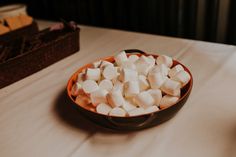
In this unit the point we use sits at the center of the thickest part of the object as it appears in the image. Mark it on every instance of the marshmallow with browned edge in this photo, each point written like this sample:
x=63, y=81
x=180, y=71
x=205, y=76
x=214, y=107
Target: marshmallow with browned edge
x=117, y=111
x=110, y=72
x=136, y=112
x=98, y=96
x=183, y=77
x=156, y=80
x=143, y=83
x=131, y=88
x=75, y=89
x=168, y=101
x=115, y=98
x=103, y=108
x=156, y=95
x=144, y=65
x=128, y=75
x=173, y=71
x=121, y=57
x=80, y=78
x=96, y=64
x=106, y=85
x=89, y=86
x=93, y=74
x=163, y=59
x=151, y=109
x=171, y=87
x=144, y=99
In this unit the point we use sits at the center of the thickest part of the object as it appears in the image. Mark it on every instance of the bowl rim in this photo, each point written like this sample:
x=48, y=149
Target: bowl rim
x=112, y=57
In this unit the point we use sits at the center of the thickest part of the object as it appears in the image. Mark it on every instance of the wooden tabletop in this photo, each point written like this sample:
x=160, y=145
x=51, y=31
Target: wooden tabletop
x=36, y=118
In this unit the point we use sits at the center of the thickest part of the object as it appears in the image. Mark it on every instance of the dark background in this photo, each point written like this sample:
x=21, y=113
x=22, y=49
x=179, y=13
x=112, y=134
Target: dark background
x=194, y=19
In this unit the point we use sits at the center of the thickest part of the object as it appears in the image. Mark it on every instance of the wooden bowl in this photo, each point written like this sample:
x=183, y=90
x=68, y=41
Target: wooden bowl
x=134, y=122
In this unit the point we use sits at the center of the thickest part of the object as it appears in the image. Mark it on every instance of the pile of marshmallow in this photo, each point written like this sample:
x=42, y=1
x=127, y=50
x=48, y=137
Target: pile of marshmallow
x=131, y=85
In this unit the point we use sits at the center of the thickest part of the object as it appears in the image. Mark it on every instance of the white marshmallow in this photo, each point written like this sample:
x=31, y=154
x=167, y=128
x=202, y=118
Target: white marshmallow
x=131, y=88
x=163, y=59
x=167, y=101
x=105, y=64
x=151, y=60
x=106, y=85
x=117, y=111
x=173, y=71
x=128, y=65
x=103, y=108
x=89, y=86
x=96, y=64
x=118, y=86
x=133, y=58
x=162, y=68
x=183, y=77
x=110, y=72
x=128, y=75
x=128, y=106
x=143, y=83
x=156, y=80
x=136, y=112
x=151, y=109
x=98, y=96
x=75, y=89
x=121, y=57
x=115, y=98
x=144, y=100
x=80, y=77
x=93, y=74
x=171, y=87
x=143, y=65
x=156, y=94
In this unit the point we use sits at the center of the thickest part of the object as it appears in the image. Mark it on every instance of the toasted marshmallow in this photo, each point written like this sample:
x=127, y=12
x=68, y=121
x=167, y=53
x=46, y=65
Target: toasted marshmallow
x=115, y=99
x=93, y=74
x=144, y=100
x=163, y=59
x=75, y=89
x=80, y=78
x=128, y=106
x=103, y=108
x=98, y=96
x=105, y=64
x=133, y=58
x=110, y=72
x=106, y=85
x=82, y=100
x=128, y=75
x=167, y=101
x=171, y=87
x=173, y=71
x=156, y=80
x=89, y=86
x=136, y=112
x=143, y=83
x=156, y=95
x=162, y=68
x=131, y=88
x=128, y=65
x=121, y=57
x=144, y=65
x=118, y=86
x=151, y=109
x=117, y=111
x=183, y=77
x=96, y=64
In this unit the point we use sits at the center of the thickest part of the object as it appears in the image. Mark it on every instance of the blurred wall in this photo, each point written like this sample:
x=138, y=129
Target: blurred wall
x=209, y=20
